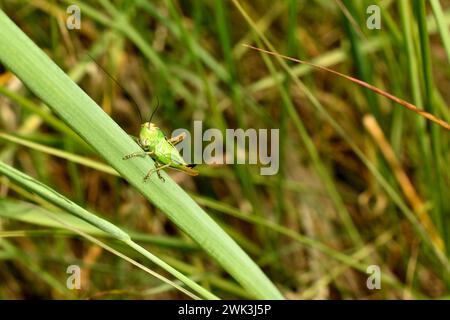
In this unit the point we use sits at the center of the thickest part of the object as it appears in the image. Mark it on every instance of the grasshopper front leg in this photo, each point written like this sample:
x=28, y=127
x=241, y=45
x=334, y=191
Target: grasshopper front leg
x=138, y=154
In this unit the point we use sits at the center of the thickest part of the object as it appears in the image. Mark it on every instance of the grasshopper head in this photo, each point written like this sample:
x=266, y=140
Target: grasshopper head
x=150, y=133
x=148, y=126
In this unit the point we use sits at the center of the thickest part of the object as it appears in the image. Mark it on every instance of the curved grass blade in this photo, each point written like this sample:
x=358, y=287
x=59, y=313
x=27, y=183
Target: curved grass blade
x=383, y=93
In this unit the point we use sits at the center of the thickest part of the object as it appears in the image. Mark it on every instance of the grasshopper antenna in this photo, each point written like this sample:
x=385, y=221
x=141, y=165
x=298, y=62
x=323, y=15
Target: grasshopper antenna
x=154, y=111
x=118, y=84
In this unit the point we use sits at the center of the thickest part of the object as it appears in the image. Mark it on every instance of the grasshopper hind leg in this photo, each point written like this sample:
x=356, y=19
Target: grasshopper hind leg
x=157, y=168
x=160, y=176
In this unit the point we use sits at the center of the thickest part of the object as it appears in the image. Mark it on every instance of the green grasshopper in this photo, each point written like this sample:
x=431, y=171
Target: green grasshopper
x=156, y=145
x=161, y=149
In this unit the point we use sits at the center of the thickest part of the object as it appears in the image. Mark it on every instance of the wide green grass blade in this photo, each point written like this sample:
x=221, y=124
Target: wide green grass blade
x=65, y=98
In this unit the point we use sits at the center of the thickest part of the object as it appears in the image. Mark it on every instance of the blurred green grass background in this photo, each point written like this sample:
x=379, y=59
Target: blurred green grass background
x=362, y=181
